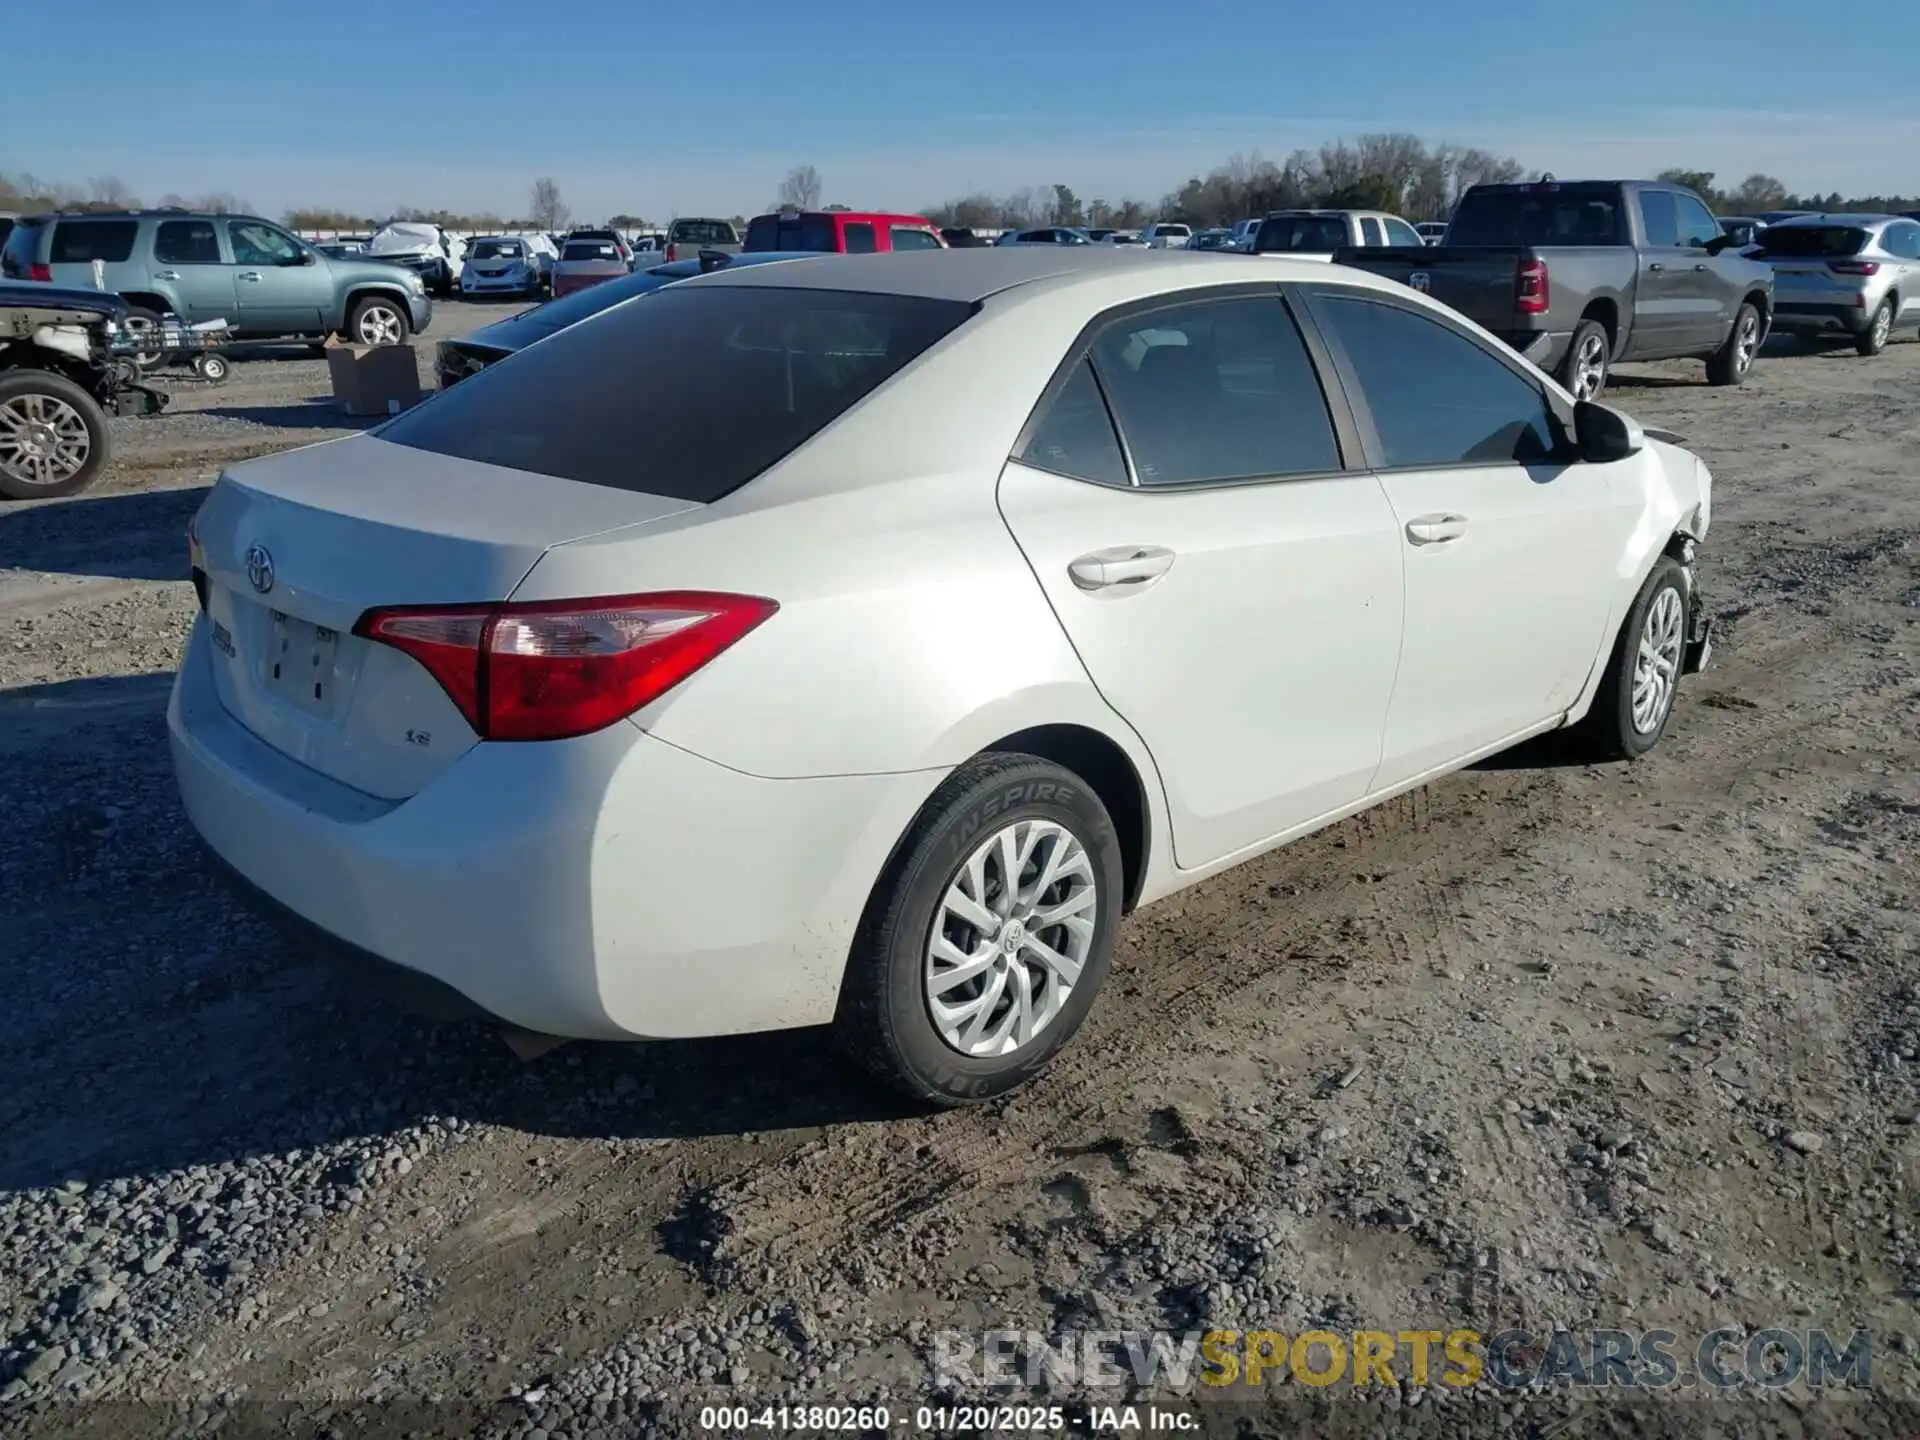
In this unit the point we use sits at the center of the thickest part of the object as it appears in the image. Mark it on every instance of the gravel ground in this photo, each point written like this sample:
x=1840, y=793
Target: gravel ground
x=1630, y=1046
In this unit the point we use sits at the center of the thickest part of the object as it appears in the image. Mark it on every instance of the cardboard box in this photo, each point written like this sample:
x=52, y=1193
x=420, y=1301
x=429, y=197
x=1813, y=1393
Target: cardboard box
x=374, y=379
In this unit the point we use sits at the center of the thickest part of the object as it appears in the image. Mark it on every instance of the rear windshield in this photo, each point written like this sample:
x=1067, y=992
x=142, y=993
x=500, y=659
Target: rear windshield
x=1313, y=233
x=1568, y=215
x=82, y=241
x=590, y=250
x=689, y=396
x=496, y=250
x=703, y=232
x=1813, y=242
x=770, y=232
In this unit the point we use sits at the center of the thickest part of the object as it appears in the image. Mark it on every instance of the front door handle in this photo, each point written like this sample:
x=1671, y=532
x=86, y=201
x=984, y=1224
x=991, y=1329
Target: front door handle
x=1122, y=567
x=166, y=274
x=1656, y=268
x=250, y=275
x=1700, y=267
x=1436, y=529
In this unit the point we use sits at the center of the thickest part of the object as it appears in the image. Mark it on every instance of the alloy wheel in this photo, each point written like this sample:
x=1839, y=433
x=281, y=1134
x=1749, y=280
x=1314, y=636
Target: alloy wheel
x=43, y=439
x=1656, y=665
x=1747, y=343
x=1589, y=367
x=1882, y=325
x=380, y=325
x=1010, y=937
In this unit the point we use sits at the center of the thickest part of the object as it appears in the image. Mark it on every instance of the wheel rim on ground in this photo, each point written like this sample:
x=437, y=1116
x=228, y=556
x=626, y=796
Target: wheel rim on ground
x=1656, y=665
x=1012, y=933
x=43, y=440
x=1589, y=367
x=380, y=325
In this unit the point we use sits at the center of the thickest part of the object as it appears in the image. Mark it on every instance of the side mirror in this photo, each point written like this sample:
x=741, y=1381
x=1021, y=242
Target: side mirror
x=1719, y=243
x=1604, y=434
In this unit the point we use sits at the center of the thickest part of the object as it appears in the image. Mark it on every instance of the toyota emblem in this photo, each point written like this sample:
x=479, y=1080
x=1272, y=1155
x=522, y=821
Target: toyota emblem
x=1420, y=280
x=259, y=568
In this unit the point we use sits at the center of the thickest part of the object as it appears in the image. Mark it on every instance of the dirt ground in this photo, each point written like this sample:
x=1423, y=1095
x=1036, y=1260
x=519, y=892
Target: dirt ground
x=1543, y=1045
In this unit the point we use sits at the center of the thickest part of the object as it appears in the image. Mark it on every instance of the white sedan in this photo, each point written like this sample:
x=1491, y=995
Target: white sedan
x=857, y=640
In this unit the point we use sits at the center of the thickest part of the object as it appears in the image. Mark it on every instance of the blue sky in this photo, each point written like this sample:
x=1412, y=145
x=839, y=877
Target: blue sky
x=676, y=107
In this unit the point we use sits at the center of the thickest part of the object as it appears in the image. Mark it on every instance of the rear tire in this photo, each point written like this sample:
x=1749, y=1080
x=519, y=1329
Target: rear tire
x=139, y=318
x=1879, y=331
x=915, y=934
x=53, y=436
x=1621, y=726
x=1584, y=370
x=1730, y=364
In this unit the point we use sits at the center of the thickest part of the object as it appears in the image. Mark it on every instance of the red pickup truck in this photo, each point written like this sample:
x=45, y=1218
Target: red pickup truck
x=841, y=232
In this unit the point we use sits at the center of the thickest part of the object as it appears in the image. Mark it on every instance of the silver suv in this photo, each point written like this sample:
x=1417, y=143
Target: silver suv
x=250, y=272
x=1854, y=277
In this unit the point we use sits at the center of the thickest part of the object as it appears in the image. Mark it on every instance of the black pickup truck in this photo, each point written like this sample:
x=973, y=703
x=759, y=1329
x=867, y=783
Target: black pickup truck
x=1579, y=275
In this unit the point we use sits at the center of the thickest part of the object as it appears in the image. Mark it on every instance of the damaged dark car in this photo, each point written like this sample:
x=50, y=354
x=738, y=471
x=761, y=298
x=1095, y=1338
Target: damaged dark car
x=63, y=370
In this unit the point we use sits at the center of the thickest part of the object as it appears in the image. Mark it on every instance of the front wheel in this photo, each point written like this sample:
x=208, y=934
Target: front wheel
x=1730, y=363
x=1873, y=339
x=53, y=436
x=377, y=320
x=986, y=939
x=1636, y=695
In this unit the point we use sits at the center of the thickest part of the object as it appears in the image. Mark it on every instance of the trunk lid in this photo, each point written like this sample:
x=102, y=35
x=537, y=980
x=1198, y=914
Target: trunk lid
x=298, y=546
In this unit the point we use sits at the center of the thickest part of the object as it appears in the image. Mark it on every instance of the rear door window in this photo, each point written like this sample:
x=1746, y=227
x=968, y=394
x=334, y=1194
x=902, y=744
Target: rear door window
x=860, y=239
x=1075, y=436
x=689, y=394
x=1660, y=219
x=186, y=242
x=906, y=237
x=1370, y=231
x=80, y=242
x=1400, y=233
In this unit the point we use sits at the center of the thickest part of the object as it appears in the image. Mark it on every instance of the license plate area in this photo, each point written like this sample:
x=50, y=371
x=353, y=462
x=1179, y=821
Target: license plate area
x=300, y=665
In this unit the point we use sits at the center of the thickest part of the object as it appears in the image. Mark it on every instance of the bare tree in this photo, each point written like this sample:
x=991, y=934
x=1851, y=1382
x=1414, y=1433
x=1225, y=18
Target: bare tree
x=110, y=192
x=548, y=210
x=800, y=190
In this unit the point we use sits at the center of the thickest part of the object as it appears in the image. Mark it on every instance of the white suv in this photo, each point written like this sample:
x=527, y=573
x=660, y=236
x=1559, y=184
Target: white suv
x=1169, y=236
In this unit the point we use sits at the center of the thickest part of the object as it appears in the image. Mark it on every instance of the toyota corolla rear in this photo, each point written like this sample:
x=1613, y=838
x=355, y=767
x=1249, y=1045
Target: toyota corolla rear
x=415, y=707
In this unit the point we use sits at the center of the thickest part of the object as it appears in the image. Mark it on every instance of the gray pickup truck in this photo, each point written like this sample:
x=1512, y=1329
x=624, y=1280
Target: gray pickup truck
x=1577, y=276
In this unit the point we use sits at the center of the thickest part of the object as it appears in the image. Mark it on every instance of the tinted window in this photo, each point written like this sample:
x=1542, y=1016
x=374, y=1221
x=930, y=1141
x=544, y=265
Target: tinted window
x=495, y=250
x=1902, y=240
x=186, y=242
x=590, y=250
x=1660, y=218
x=860, y=239
x=18, y=254
x=257, y=243
x=1370, y=231
x=1813, y=242
x=1562, y=215
x=770, y=232
x=1075, y=437
x=1400, y=233
x=84, y=241
x=703, y=232
x=1314, y=233
x=1437, y=398
x=905, y=238
x=1216, y=391
x=1697, y=225
x=690, y=395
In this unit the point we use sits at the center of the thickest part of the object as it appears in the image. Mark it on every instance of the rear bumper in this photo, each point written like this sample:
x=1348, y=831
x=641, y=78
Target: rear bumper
x=607, y=887
x=1802, y=317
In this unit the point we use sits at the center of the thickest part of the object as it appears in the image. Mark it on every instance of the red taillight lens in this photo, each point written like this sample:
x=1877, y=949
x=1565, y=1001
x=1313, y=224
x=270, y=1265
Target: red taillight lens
x=548, y=670
x=1531, y=295
x=673, y=252
x=40, y=272
x=1854, y=267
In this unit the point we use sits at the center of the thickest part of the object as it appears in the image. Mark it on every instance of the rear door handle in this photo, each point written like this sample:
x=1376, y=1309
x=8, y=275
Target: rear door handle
x=166, y=274
x=1436, y=529
x=1123, y=568
x=1655, y=268
x=250, y=275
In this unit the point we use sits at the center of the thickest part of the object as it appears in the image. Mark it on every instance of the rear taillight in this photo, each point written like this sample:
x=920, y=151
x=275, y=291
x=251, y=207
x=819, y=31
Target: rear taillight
x=1854, y=267
x=673, y=252
x=40, y=272
x=550, y=669
x=1530, y=297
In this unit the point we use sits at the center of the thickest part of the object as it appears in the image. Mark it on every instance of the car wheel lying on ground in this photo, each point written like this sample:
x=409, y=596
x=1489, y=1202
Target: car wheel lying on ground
x=986, y=598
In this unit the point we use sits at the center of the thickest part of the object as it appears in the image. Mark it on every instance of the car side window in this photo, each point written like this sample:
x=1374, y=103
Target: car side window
x=1660, y=219
x=186, y=242
x=1904, y=241
x=860, y=238
x=84, y=241
x=1436, y=397
x=1696, y=222
x=1370, y=231
x=906, y=237
x=1218, y=390
x=1075, y=436
x=257, y=243
x=1401, y=233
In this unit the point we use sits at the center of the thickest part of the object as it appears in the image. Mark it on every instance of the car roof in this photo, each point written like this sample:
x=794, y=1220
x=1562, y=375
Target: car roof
x=846, y=215
x=1814, y=222
x=973, y=275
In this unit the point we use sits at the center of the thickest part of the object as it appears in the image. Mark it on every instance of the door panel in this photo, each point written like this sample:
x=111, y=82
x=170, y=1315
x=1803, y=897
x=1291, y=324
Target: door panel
x=1659, y=294
x=188, y=261
x=1258, y=665
x=1705, y=296
x=273, y=297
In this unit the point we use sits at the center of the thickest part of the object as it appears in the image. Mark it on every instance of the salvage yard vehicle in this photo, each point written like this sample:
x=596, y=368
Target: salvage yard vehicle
x=841, y=232
x=250, y=272
x=863, y=577
x=424, y=249
x=1317, y=234
x=507, y=265
x=692, y=234
x=1167, y=235
x=1849, y=277
x=456, y=359
x=59, y=381
x=1580, y=275
x=584, y=263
